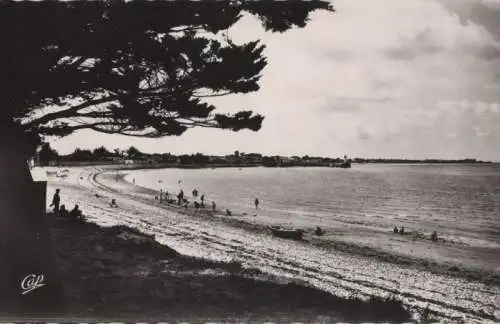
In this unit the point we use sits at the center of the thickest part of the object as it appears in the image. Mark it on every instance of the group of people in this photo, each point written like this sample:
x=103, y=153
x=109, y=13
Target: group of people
x=434, y=236
x=400, y=231
x=61, y=211
x=182, y=201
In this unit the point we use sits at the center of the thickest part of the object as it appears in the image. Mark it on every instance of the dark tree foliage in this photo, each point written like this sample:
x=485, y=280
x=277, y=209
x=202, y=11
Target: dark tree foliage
x=101, y=153
x=132, y=152
x=47, y=154
x=81, y=155
x=135, y=68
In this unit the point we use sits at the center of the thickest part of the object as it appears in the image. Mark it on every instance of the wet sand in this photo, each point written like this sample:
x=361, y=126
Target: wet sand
x=339, y=267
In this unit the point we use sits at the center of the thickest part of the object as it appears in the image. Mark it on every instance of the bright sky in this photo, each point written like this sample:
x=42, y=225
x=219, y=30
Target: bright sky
x=402, y=79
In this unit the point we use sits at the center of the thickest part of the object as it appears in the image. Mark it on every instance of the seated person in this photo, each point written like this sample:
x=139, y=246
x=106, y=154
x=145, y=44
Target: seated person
x=319, y=231
x=63, y=212
x=228, y=212
x=113, y=203
x=75, y=213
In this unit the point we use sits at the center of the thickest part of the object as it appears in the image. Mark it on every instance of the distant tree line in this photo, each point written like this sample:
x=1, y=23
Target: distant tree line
x=428, y=161
x=48, y=155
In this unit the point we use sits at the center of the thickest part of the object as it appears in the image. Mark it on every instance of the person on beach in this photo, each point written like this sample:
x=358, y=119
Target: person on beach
x=202, y=199
x=56, y=199
x=63, y=212
x=113, y=203
x=256, y=203
x=166, y=195
x=133, y=181
x=196, y=205
x=180, y=197
x=75, y=213
x=213, y=206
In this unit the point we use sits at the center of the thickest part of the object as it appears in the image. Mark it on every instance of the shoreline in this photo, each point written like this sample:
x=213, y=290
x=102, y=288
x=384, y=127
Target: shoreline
x=345, y=273
x=456, y=269
x=166, y=165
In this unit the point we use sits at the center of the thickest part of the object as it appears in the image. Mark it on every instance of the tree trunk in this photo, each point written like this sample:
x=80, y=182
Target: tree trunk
x=25, y=246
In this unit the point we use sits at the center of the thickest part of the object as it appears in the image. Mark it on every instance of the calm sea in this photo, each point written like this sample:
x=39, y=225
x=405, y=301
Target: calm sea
x=460, y=201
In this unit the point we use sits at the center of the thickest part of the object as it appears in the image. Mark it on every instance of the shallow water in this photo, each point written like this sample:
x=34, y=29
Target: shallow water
x=461, y=202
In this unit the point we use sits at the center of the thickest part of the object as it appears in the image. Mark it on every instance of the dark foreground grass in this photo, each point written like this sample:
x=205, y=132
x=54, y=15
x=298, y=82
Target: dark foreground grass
x=120, y=273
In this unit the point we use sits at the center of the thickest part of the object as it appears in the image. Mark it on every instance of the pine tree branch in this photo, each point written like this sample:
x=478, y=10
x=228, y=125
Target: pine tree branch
x=212, y=95
x=70, y=112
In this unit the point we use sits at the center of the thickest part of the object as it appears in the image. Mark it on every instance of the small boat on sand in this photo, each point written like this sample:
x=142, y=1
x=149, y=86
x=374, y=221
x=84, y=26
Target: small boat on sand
x=295, y=234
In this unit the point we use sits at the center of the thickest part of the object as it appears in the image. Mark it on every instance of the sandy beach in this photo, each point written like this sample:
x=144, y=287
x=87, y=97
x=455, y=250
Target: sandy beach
x=452, y=289
x=117, y=273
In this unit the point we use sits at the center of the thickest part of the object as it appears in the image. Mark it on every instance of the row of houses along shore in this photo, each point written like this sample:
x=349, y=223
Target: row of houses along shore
x=198, y=159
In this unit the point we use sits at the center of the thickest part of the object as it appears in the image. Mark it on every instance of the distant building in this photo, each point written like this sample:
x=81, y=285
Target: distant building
x=313, y=161
x=253, y=158
x=285, y=160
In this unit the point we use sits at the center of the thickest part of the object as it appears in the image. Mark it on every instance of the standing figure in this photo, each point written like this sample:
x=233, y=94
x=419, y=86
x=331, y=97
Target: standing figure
x=256, y=203
x=180, y=197
x=56, y=199
x=213, y=206
x=202, y=199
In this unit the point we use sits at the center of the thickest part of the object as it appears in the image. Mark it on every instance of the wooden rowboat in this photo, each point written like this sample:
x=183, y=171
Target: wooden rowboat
x=295, y=234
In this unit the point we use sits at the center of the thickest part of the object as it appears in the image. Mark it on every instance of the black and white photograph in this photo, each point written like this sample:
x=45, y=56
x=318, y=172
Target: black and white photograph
x=250, y=161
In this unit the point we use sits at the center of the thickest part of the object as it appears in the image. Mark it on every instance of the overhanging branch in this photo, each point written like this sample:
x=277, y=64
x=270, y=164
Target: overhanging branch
x=68, y=112
x=212, y=95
